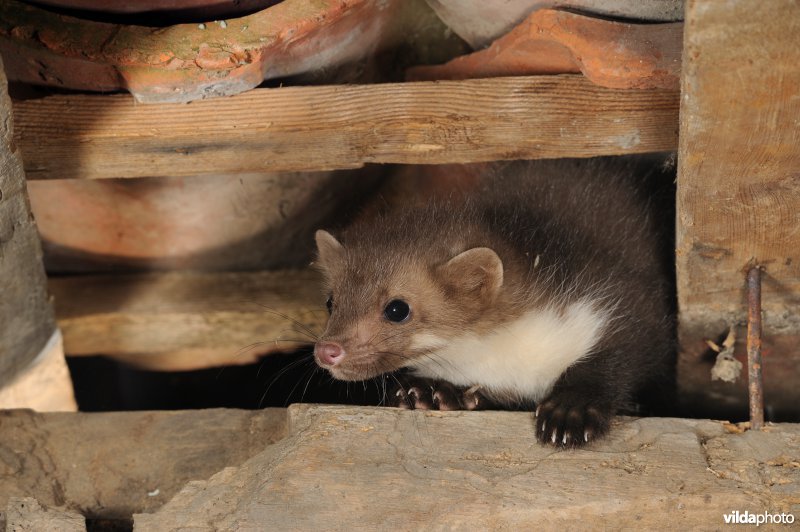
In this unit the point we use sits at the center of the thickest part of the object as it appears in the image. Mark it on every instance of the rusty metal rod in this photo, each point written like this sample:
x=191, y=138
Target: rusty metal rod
x=755, y=384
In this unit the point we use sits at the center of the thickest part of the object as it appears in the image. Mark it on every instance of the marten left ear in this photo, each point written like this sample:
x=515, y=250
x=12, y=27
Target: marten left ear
x=477, y=270
x=330, y=251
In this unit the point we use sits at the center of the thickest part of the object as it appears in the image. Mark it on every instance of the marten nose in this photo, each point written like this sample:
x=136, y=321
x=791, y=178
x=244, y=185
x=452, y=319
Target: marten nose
x=329, y=353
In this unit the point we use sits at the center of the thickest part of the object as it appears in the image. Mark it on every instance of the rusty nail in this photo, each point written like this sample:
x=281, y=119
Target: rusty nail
x=755, y=384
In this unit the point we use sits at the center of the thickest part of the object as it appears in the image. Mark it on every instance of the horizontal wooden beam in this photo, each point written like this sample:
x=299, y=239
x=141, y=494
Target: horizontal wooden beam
x=177, y=321
x=278, y=469
x=387, y=468
x=109, y=465
x=334, y=127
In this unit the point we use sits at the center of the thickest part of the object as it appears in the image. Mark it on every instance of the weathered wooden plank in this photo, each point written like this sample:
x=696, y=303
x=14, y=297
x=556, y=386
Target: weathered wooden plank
x=389, y=469
x=739, y=180
x=194, y=319
x=26, y=317
x=25, y=513
x=330, y=127
x=403, y=469
x=112, y=464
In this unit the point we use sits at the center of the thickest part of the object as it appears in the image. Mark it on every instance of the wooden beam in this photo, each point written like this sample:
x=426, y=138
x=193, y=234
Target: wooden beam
x=739, y=189
x=334, y=127
x=354, y=468
x=181, y=320
x=26, y=316
x=279, y=469
x=109, y=465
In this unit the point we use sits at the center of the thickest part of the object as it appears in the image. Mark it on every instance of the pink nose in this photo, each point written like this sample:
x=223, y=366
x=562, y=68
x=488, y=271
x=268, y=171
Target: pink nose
x=329, y=353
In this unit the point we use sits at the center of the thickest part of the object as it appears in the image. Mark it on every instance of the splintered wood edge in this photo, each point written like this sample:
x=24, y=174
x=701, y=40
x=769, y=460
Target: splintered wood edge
x=182, y=320
x=344, y=126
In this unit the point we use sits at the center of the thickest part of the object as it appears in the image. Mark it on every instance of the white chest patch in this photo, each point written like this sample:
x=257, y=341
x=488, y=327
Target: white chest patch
x=524, y=357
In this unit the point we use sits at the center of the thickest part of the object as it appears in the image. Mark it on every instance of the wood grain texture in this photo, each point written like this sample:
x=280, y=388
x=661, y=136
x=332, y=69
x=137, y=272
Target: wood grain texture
x=331, y=127
x=194, y=319
x=346, y=468
x=739, y=171
x=25, y=513
x=739, y=183
x=26, y=317
x=112, y=464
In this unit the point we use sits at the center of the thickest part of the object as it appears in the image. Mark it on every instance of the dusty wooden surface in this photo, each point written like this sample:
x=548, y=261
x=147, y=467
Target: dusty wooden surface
x=329, y=127
x=345, y=468
x=336, y=467
x=26, y=514
x=112, y=464
x=195, y=319
x=739, y=187
x=26, y=317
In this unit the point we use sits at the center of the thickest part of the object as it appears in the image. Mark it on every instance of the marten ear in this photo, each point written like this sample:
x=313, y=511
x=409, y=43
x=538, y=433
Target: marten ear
x=477, y=270
x=329, y=250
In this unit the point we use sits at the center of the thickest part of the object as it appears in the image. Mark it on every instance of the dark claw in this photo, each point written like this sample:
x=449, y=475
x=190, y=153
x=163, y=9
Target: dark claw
x=446, y=399
x=473, y=400
x=401, y=399
x=570, y=420
x=421, y=397
x=423, y=394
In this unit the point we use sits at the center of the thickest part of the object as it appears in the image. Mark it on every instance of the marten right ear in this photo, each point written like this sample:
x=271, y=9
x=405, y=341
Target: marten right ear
x=478, y=271
x=329, y=250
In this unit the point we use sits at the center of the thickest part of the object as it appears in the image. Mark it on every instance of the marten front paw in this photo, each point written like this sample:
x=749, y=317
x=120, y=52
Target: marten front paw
x=422, y=394
x=570, y=420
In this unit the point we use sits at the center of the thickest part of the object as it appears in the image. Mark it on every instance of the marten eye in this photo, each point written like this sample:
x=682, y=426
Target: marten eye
x=397, y=311
x=329, y=304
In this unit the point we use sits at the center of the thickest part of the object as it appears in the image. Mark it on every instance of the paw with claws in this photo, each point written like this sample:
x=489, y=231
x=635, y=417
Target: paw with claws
x=571, y=420
x=423, y=394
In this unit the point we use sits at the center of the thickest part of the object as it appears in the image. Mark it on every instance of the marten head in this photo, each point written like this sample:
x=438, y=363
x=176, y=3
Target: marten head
x=390, y=304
